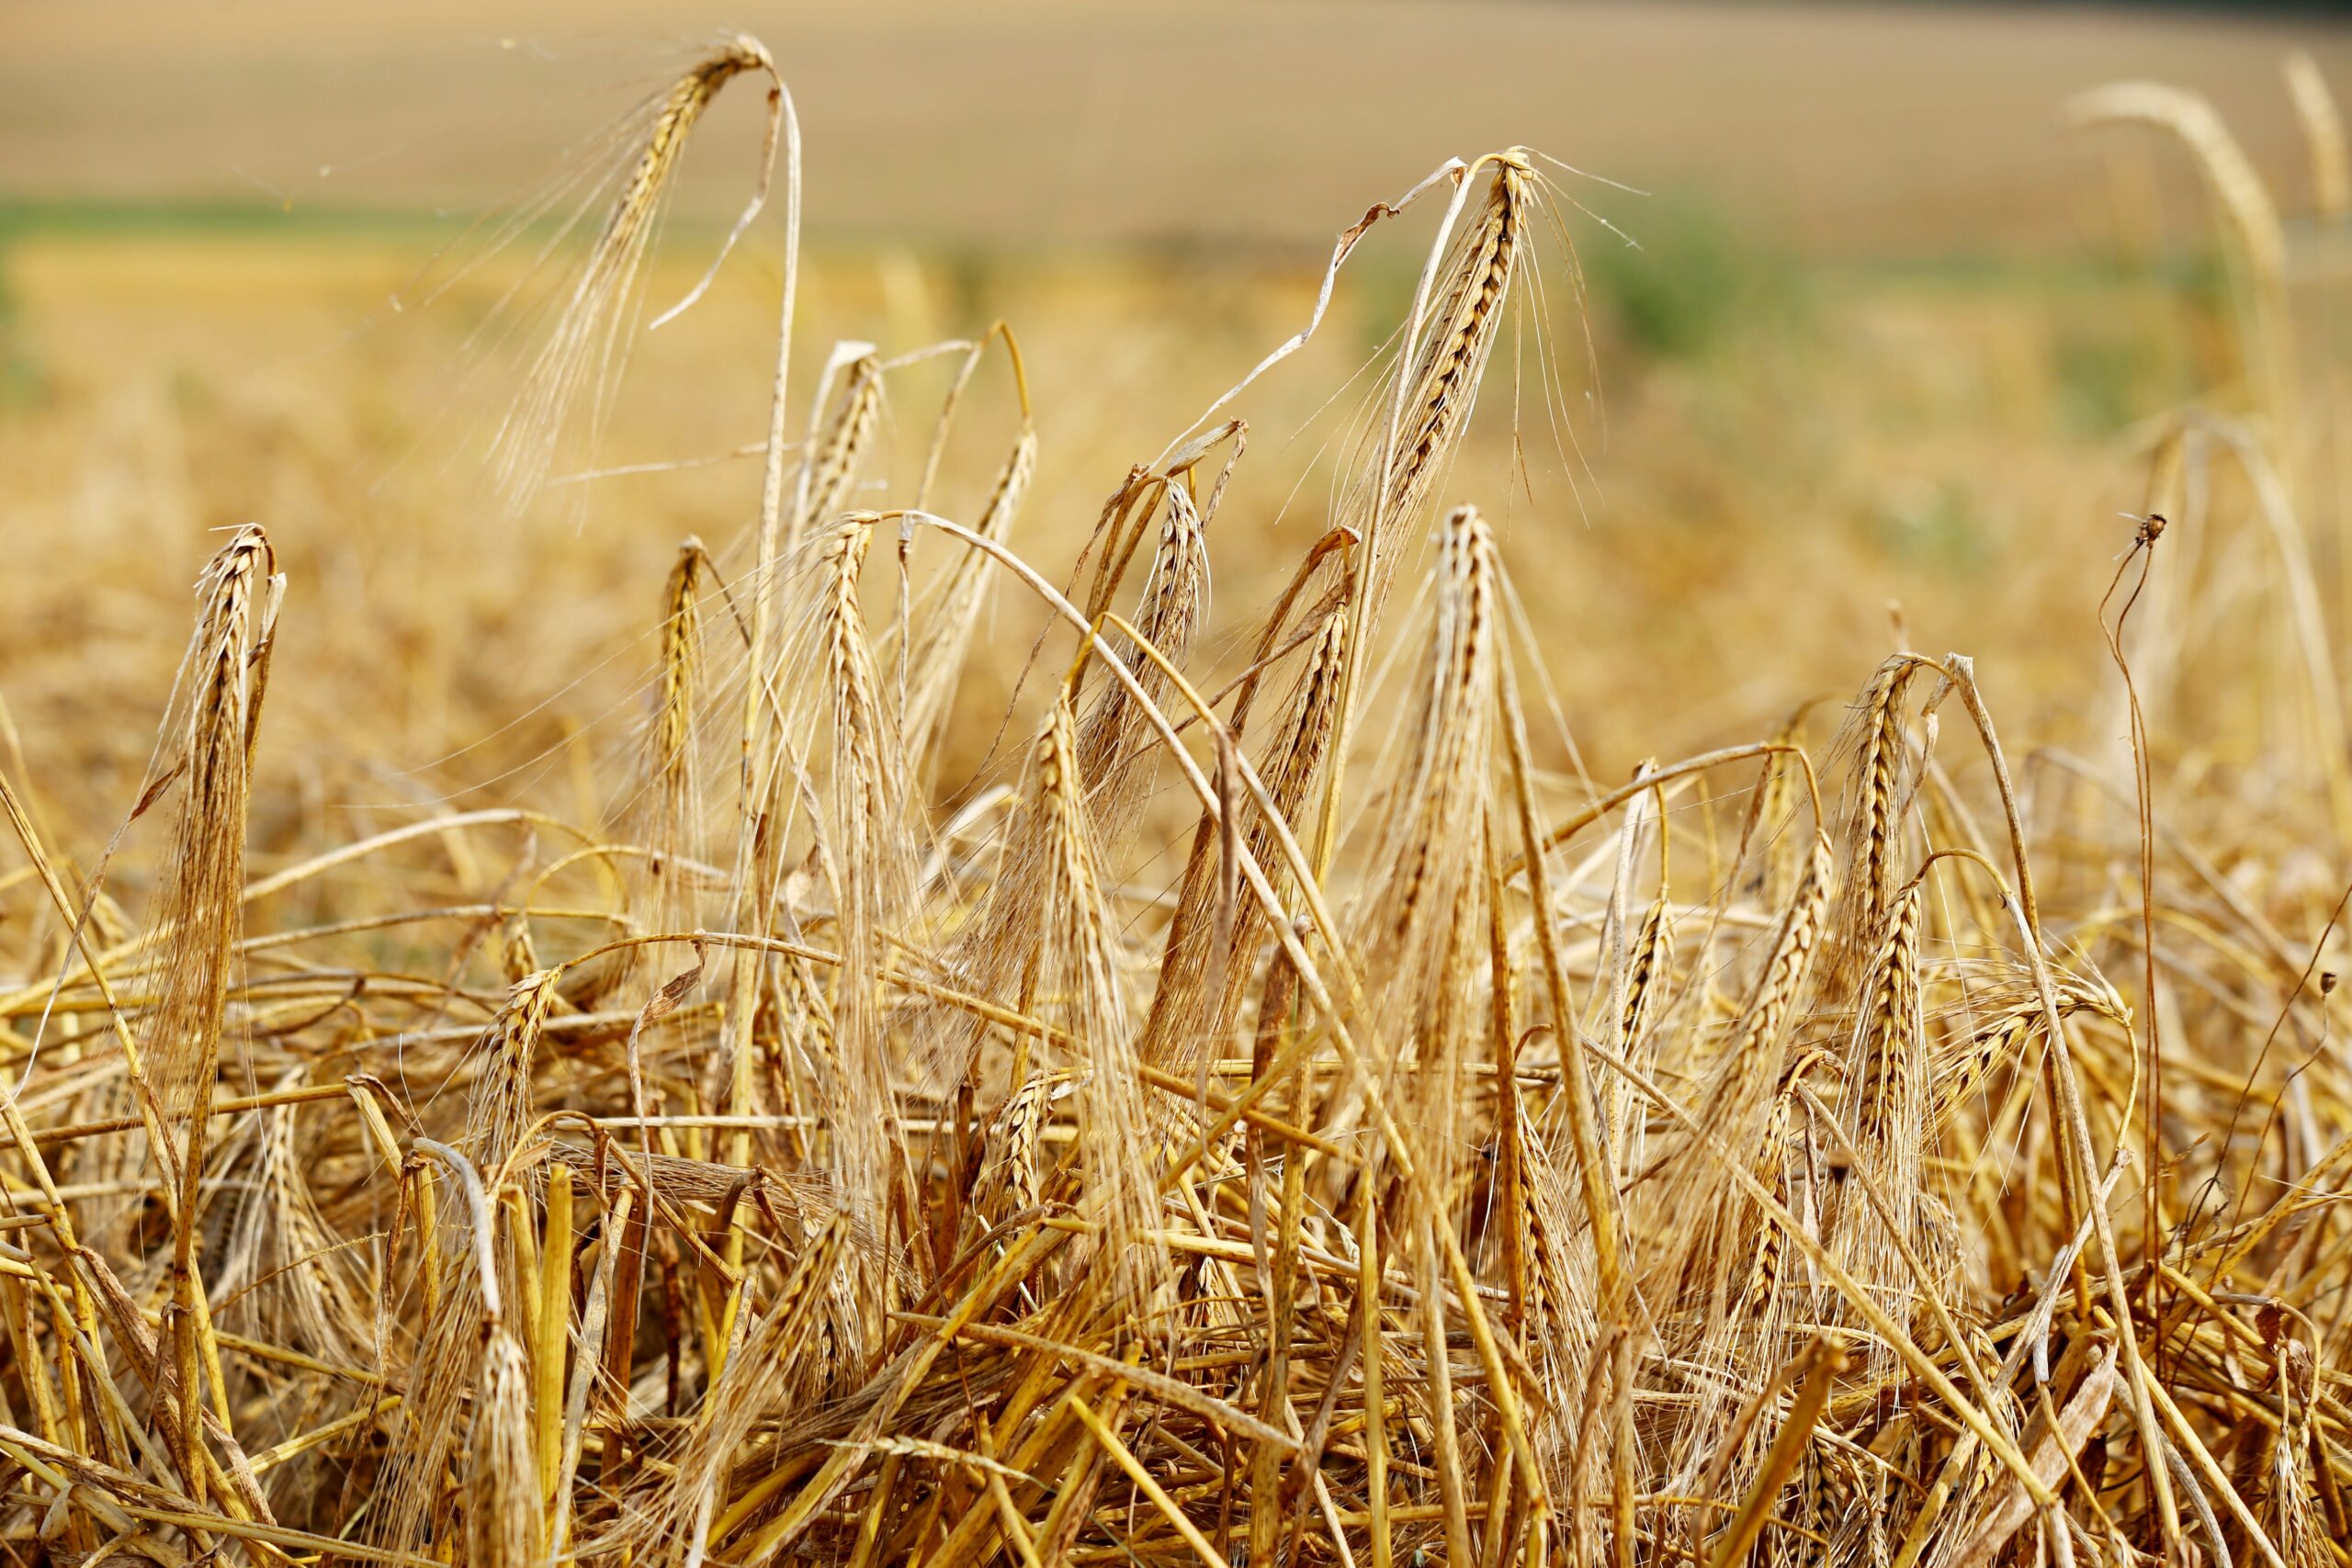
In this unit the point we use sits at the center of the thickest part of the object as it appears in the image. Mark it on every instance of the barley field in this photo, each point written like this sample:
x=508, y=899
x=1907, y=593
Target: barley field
x=1106, y=787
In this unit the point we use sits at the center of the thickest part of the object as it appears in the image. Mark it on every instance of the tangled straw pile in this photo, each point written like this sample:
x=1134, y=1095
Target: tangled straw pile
x=1445, y=1164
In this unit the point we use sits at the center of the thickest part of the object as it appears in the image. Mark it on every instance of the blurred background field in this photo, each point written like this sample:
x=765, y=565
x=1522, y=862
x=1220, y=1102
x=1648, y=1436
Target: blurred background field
x=1885, y=348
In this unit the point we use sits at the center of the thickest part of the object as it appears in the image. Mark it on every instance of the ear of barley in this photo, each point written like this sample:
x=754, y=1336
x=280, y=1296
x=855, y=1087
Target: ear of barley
x=1885, y=1115
x=2000, y=1033
x=2323, y=142
x=1420, y=895
x=1045, y=943
x=1009, y=1182
x=500, y=1106
x=838, y=451
x=1077, y=965
x=518, y=956
x=1461, y=335
x=1761, y=1291
x=451, y=1351
x=216, y=712
x=952, y=614
x=1649, y=965
x=1186, y=1017
x=1872, y=829
x=680, y=694
x=211, y=742
x=2253, y=218
x=1764, y=833
x=865, y=835
x=2298, y=1522
x=455, y=1352
x=1289, y=768
x=684, y=1512
x=2249, y=217
x=587, y=342
x=1562, y=1327
x=1409, y=903
x=1736, y=1097
x=1884, y=1075
x=504, y=1528
x=1116, y=742
x=1790, y=961
x=287, y=1279
x=1437, y=384
x=667, y=817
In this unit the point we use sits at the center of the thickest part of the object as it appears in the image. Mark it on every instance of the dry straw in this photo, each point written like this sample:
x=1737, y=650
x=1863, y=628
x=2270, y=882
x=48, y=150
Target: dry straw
x=1277, y=1120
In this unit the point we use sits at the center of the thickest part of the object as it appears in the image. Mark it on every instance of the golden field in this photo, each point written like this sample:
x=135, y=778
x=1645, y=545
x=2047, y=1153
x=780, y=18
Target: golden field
x=1053, y=976
x=1905, y=363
